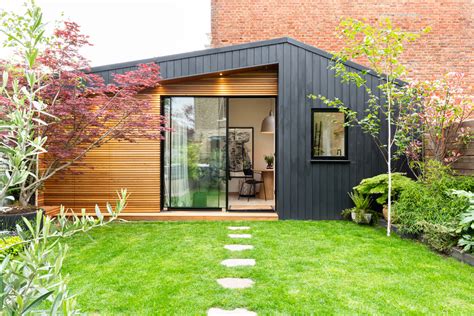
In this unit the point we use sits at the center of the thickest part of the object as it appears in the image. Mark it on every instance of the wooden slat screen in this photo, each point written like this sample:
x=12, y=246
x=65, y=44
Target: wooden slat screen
x=136, y=166
x=465, y=165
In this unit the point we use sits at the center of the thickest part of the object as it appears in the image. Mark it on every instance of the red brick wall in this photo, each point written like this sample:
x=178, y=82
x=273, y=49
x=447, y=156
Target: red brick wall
x=448, y=47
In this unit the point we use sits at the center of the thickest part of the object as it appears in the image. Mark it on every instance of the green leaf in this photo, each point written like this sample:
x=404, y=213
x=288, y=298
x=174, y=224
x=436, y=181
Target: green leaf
x=56, y=304
x=98, y=212
x=28, y=224
x=5, y=79
x=109, y=208
x=36, y=302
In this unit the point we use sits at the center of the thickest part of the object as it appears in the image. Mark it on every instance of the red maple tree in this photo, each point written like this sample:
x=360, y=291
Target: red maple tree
x=85, y=111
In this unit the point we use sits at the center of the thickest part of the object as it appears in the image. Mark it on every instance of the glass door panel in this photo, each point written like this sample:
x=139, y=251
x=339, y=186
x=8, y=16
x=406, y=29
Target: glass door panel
x=195, y=153
x=166, y=156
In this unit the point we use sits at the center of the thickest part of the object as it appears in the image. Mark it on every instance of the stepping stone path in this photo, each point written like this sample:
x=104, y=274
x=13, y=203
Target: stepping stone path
x=238, y=247
x=235, y=312
x=238, y=227
x=240, y=236
x=238, y=262
x=235, y=283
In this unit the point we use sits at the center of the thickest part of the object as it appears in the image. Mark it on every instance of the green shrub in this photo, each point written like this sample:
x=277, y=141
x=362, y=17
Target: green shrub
x=443, y=178
x=466, y=224
x=377, y=187
x=439, y=237
x=7, y=241
x=431, y=212
x=464, y=183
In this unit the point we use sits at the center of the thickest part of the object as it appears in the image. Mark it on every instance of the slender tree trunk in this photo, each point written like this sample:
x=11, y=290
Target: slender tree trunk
x=389, y=159
x=23, y=199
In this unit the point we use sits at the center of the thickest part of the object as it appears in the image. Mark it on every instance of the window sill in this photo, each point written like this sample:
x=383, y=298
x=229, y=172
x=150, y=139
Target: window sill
x=329, y=160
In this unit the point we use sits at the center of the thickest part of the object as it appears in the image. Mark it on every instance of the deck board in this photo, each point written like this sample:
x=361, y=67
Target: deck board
x=195, y=216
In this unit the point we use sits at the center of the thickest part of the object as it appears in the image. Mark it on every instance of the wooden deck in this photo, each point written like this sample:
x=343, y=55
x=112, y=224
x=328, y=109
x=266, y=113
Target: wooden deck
x=187, y=215
x=51, y=210
x=202, y=216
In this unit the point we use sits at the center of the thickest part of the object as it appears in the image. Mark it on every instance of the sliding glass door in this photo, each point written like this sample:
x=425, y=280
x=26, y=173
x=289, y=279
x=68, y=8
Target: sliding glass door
x=195, y=153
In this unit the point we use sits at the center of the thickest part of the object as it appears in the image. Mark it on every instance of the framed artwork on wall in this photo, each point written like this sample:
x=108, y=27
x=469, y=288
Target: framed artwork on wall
x=241, y=149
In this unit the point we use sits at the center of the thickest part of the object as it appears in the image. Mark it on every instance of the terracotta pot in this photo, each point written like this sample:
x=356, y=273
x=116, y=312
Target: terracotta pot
x=385, y=212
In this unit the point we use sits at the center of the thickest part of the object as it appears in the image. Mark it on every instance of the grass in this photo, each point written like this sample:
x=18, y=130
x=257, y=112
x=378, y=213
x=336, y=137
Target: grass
x=325, y=267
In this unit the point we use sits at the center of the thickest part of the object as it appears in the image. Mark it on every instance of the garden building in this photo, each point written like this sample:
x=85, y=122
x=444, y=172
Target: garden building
x=233, y=110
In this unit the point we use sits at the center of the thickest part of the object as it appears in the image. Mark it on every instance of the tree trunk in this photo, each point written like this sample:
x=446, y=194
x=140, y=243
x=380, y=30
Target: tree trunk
x=25, y=197
x=389, y=159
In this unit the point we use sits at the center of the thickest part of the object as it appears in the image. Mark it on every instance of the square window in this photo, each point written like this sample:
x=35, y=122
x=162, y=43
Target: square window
x=328, y=134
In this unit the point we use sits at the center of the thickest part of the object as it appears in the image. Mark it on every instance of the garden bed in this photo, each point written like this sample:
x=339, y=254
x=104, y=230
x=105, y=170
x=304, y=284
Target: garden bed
x=456, y=253
x=462, y=256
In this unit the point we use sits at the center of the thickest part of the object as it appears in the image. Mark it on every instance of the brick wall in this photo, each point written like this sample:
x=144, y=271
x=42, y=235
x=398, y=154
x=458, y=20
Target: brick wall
x=449, y=46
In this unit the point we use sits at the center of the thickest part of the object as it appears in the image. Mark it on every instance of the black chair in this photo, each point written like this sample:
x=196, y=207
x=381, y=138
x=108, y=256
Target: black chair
x=249, y=175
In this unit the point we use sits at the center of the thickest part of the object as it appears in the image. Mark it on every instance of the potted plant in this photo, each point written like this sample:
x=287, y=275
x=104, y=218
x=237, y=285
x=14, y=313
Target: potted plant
x=12, y=215
x=360, y=213
x=269, y=160
x=377, y=188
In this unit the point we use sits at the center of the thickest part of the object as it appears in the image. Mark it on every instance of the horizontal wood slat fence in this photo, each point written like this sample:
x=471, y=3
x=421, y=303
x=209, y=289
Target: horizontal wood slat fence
x=465, y=164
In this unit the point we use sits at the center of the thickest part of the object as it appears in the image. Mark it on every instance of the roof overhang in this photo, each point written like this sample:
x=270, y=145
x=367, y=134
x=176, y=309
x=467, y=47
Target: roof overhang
x=220, y=73
x=225, y=49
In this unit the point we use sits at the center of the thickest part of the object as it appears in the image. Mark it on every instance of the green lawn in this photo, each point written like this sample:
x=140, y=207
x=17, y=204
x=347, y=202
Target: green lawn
x=325, y=267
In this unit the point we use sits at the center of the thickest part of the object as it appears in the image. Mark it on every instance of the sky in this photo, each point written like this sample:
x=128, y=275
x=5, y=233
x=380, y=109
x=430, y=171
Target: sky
x=126, y=30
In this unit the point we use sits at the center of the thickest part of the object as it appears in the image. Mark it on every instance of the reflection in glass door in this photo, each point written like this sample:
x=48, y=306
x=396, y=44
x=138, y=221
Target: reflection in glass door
x=195, y=153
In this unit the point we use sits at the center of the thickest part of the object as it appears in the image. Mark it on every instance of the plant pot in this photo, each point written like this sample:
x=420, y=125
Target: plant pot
x=270, y=166
x=364, y=219
x=385, y=212
x=8, y=221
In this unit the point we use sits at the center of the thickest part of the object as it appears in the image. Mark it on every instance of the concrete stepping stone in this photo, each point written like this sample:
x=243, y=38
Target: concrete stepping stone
x=240, y=236
x=235, y=283
x=238, y=247
x=238, y=262
x=236, y=312
x=238, y=227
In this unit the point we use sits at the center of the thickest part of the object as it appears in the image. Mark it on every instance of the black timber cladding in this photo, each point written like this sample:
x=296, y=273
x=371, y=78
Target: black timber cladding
x=304, y=189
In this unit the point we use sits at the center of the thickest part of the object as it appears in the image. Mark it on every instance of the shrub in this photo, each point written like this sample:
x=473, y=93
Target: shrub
x=426, y=210
x=437, y=236
x=464, y=183
x=443, y=178
x=6, y=242
x=466, y=224
x=32, y=283
x=377, y=187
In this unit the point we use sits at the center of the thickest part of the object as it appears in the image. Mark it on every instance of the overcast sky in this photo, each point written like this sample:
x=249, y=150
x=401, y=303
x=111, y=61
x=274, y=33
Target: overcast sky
x=125, y=30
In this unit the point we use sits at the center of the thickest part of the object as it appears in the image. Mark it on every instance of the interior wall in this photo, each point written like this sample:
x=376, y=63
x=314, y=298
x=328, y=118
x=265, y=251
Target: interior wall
x=250, y=112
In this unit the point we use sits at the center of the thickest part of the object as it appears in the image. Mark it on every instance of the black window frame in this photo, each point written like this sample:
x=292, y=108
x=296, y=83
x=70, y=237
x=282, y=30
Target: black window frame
x=346, y=137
